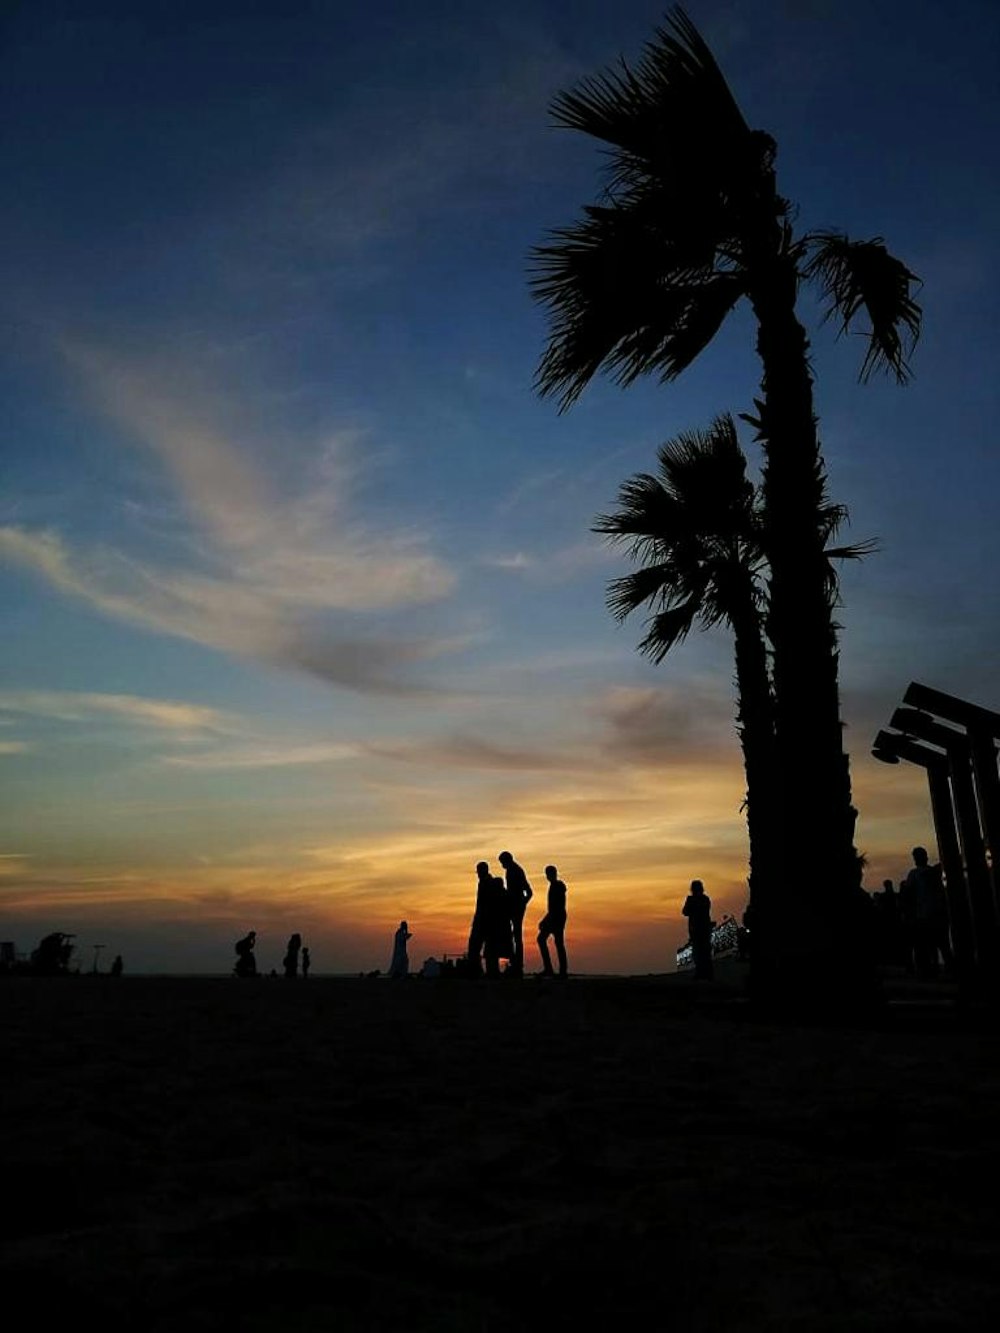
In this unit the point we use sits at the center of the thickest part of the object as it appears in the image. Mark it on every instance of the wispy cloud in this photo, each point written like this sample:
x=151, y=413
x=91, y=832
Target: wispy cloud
x=465, y=752
x=267, y=565
x=162, y=714
x=343, y=186
x=14, y=747
x=554, y=566
x=661, y=725
x=265, y=756
x=301, y=549
x=517, y=561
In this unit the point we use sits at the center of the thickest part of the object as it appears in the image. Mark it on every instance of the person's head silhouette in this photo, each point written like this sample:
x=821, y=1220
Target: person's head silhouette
x=697, y=886
x=920, y=856
x=505, y=859
x=551, y=874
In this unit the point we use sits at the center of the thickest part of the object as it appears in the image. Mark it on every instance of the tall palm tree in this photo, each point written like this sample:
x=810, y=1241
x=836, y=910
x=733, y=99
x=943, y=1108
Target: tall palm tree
x=695, y=530
x=690, y=224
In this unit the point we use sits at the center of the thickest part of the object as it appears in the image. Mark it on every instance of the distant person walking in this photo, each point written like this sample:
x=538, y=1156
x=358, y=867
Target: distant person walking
x=306, y=963
x=553, y=924
x=698, y=910
x=925, y=913
x=490, y=934
x=399, y=967
x=117, y=967
x=519, y=894
x=290, y=962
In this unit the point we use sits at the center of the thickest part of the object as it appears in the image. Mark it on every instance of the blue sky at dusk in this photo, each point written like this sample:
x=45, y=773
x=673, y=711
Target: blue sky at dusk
x=302, y=611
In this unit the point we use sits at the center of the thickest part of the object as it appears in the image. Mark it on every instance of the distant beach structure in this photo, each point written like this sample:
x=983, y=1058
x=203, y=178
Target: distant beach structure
x=725, y=942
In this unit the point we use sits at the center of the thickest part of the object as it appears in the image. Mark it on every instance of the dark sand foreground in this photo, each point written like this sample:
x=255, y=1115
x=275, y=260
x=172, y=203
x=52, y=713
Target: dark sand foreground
x=204, y=1154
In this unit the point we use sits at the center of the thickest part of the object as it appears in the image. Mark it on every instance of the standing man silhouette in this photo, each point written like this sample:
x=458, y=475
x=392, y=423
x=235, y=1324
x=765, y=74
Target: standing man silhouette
x=553, y=923
x=490, y=935
x=290, y=962
x=698, y=910
x=925, y=910
x=519, y=894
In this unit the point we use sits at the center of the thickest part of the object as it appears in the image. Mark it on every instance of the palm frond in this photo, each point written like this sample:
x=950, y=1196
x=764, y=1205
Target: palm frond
x=668, y=628
x=665, y=337
x=644, y=508
x=857, y=276
x=855, y=550
x=653, y=582
x=675, y=83
x=694, y=530
x=704, y=467
x=626, y=295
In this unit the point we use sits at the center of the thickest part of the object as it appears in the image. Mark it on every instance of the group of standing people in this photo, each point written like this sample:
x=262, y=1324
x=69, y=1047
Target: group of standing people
x=246, y=961
x=912, y=927
x=497, y=931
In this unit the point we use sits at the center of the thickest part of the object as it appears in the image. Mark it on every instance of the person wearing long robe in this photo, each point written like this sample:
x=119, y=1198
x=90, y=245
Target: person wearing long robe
x=399, y=967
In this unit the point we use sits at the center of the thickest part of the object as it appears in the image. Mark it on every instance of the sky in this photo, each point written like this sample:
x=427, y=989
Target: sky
x=302, y=611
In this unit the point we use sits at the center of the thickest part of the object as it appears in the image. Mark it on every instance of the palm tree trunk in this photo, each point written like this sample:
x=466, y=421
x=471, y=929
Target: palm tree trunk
x=809, y=932
x=755, y=725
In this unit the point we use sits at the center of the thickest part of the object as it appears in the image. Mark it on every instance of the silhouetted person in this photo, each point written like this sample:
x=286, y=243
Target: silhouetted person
x=306, y=963
x=52, y=956
x=117, y=966
x=925, y=911
x=290, y=962
x=553, y=924
x=519, y=894
x=399, y=967
x=490, y=934
x=698, y=910
x=246, y=963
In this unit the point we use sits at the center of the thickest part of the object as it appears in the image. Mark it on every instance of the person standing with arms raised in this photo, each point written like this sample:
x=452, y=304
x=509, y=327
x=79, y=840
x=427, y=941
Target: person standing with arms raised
x=519, y=894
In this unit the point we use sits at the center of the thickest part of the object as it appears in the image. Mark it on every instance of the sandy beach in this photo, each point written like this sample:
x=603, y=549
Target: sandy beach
x=346, y=1154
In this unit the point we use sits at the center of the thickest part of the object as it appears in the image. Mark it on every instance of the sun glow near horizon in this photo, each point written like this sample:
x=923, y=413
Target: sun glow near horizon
x=303, y=614
x=627, y=839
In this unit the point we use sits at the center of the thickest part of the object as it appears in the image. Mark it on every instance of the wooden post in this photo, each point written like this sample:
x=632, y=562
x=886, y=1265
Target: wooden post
x=959, y=751
x=890, y=749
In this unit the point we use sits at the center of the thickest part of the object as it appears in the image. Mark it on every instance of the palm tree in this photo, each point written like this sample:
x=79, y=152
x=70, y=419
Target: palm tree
x=691, y=223
x=695, y=529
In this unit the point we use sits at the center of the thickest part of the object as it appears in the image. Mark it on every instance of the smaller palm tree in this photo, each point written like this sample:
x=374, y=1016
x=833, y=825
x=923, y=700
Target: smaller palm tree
x=694, y=528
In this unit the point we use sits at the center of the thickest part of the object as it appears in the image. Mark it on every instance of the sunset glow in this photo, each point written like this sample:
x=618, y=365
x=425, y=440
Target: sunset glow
x=303, y=615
